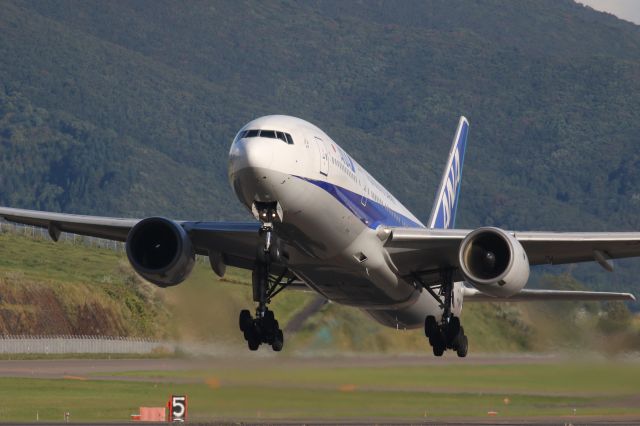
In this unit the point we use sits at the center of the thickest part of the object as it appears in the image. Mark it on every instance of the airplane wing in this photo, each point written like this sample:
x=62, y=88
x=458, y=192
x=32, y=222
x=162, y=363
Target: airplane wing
x=428, y=251
x=474, y=295
x=237, y=241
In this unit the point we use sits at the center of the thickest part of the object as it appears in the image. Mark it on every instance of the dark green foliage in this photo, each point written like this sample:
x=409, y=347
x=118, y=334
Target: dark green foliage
x=128, y=108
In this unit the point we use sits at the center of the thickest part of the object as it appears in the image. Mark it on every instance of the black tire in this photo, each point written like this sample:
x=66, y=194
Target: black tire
x=245, y=321
x=437, y=343
x=278, y=342
x=268, y=326
x=430, y=326
x=275, y=253
x=269, y=316
x=253, y=344
x=251, y=334
x=453, y=329
x=438, y=350
x=463, y=346
x=458, y=340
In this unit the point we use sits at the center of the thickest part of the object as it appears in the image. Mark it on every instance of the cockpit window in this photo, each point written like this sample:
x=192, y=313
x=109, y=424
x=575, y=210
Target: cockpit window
x=289, y=139
x=271, y=134
x=268, y=134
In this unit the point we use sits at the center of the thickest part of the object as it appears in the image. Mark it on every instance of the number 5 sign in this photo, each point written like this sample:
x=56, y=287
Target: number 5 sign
x=177, y=408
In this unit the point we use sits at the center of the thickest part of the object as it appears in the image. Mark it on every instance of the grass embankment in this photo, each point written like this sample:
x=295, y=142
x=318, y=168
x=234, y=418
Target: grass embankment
x=252, y=390
x=49, y=288
x=62, y=288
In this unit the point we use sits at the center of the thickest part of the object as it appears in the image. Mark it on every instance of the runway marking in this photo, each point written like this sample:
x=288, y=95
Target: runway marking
x=348, y=388
x=74, y=377
x=213, y=382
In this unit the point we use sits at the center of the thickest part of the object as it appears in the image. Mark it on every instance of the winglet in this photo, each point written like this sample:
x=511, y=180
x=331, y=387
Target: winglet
x=443, y=214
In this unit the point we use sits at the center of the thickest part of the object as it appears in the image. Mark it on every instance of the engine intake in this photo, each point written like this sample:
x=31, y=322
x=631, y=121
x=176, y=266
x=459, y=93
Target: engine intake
x=494, y=262
x=160, y=251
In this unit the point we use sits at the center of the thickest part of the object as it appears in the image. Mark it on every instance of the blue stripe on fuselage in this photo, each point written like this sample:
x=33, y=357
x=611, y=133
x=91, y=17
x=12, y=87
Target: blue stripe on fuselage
x=368, y=211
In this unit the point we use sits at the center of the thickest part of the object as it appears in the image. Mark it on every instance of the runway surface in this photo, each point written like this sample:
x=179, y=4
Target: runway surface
x=60, y=368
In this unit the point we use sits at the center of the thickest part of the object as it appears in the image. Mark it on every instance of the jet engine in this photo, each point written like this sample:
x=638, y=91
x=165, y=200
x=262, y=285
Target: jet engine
x=494, y=262
x=160, y=251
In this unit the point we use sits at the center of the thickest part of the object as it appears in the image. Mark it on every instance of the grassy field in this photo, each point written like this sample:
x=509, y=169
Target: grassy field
x=290, y=389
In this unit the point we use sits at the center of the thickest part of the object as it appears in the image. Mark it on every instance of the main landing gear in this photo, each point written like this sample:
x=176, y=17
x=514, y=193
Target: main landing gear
x=264, y=328
x=448, y=333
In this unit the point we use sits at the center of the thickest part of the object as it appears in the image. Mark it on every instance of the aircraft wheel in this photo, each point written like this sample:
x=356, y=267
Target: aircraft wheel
x=278, y=342
x=438, y=343
x=438, y=349
x=430, y=326
x=269, y=317
x=253, y=343
x=245, y=321
x=268, y=326
x=457, y=340
x=453, y=330
x=463, y=346
x=276, y=254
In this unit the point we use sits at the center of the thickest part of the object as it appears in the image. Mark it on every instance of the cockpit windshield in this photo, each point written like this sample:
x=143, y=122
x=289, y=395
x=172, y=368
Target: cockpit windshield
x=271, y=134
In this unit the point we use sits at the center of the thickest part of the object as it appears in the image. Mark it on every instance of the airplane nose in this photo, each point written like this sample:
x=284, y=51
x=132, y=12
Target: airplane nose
x=255, y=153
x=250, y=162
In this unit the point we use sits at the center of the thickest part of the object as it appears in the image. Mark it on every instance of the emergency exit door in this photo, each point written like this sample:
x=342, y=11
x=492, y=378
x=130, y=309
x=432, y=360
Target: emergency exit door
x=324, y=156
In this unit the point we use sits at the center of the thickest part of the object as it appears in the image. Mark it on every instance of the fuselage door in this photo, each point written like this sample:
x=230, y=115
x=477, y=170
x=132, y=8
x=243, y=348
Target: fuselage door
x=324, y=156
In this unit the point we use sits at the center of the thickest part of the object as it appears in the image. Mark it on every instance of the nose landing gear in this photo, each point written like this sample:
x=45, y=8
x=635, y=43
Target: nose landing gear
x=264, y=328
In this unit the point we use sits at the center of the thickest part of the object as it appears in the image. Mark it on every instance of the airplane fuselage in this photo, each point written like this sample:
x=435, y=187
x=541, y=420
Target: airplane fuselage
x=332, y=209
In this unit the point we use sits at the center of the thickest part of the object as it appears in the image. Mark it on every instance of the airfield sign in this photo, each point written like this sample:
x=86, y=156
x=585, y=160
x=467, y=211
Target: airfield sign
x=177, y=408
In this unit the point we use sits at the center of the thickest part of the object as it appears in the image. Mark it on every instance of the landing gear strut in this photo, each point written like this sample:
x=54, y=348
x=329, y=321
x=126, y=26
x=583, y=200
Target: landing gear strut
x=264, y=328
x=448, y=334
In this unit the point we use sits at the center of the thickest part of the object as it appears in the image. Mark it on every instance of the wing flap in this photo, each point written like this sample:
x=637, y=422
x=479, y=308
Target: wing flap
x=570, y=247
x=473, y=295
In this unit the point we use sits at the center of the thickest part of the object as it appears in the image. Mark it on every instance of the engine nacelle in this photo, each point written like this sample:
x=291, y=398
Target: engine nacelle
x=494, y=262
x=160, y=251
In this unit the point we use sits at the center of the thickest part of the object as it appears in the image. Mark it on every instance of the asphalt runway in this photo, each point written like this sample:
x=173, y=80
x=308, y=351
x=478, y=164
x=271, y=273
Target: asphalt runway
x=61, y=368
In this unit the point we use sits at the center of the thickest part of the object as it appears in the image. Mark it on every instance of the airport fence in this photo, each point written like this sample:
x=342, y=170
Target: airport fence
x=75, y=344
x=25, y=344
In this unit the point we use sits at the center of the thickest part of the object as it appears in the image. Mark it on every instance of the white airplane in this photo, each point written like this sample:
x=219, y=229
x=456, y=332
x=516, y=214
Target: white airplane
x=324, y=223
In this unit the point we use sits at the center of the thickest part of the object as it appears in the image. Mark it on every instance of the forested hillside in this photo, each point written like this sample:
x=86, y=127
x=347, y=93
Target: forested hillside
x=128, y=108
